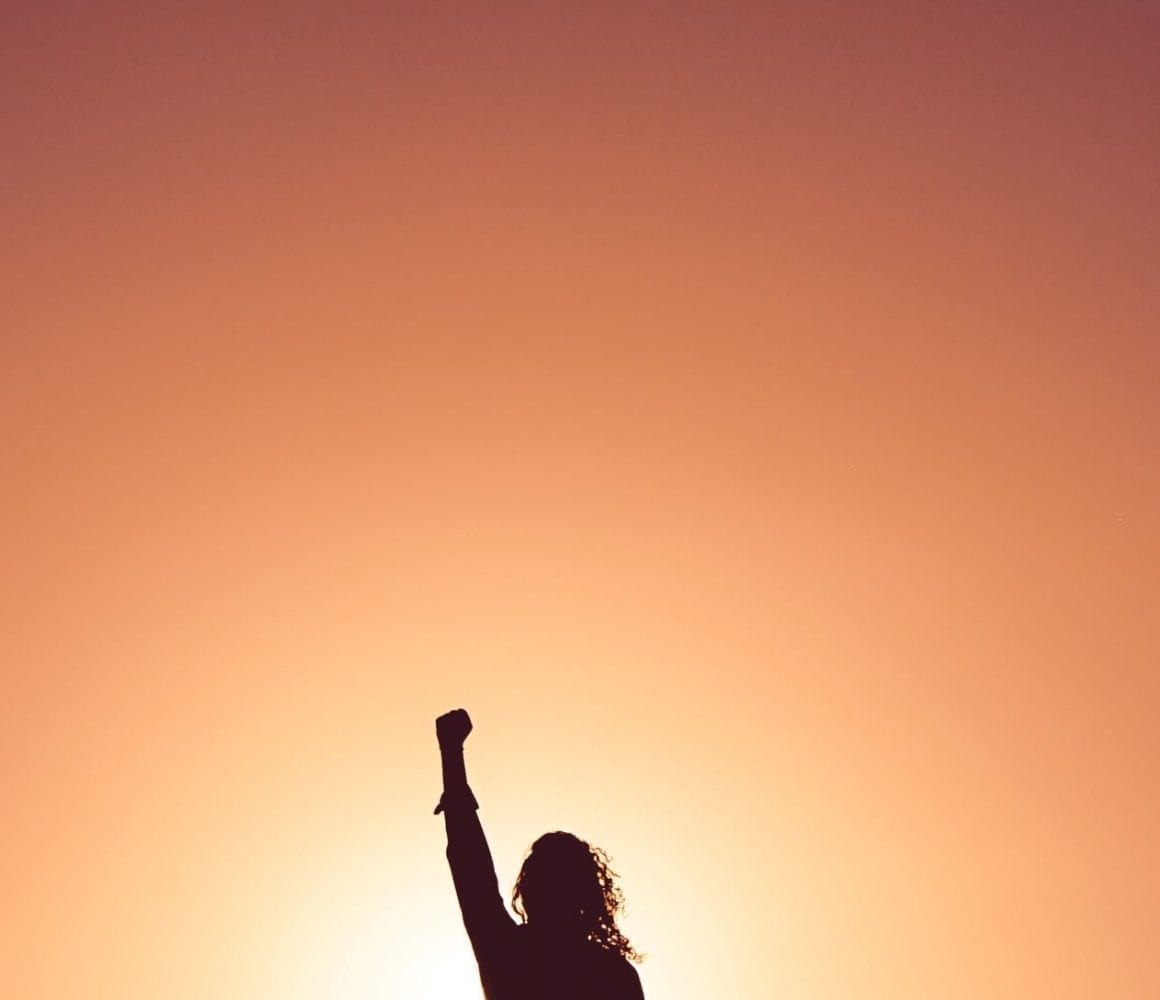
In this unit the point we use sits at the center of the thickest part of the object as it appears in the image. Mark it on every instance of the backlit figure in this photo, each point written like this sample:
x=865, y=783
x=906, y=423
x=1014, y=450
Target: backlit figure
x=568, y=946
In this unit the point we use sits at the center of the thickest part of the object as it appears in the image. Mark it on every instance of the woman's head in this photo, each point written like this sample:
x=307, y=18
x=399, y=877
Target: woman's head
x=566, y=885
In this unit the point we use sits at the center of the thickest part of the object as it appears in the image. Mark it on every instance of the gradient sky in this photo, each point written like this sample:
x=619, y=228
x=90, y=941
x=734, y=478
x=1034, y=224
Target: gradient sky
x=748, y=411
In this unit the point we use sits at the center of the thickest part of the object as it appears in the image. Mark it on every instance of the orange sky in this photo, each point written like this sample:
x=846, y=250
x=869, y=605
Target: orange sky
x=746, y=410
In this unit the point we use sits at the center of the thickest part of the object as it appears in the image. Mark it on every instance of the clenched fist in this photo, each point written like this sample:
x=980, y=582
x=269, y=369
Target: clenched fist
x=452, y=728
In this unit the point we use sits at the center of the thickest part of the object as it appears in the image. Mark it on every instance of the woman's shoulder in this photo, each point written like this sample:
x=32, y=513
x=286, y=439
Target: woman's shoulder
x=623, y=977
x=613, y=964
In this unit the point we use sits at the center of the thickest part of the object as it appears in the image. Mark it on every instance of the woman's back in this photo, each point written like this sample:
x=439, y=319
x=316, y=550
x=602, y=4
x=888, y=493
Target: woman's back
x=529, y=966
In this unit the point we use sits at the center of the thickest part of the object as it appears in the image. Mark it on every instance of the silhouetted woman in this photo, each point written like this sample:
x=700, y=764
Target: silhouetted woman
x=568, y=946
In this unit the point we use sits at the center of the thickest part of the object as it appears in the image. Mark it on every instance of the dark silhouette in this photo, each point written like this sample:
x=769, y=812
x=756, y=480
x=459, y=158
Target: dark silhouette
x=567, y=946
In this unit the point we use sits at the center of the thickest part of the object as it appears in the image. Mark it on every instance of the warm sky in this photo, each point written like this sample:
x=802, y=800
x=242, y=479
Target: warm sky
x=747, y=411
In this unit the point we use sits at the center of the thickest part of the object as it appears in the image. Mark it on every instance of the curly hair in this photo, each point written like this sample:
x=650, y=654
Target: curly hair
x=570, y=878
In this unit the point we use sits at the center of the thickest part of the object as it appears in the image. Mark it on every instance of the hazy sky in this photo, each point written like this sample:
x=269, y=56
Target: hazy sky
x=748, y=411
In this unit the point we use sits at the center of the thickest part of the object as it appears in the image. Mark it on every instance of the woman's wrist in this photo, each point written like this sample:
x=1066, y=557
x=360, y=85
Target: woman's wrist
x=457, y=800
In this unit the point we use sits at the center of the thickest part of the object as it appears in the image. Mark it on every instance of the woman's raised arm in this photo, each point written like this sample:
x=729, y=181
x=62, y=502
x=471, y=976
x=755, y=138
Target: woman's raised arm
x=472, y=870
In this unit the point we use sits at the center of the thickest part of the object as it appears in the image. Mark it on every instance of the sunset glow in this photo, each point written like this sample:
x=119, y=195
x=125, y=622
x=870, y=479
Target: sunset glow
x=748, y=411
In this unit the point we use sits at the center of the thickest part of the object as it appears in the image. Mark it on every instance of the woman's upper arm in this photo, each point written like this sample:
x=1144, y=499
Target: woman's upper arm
x=484, y=915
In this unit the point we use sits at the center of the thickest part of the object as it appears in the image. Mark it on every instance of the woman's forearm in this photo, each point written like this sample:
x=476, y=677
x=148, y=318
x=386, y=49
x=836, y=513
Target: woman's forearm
x=455, y=788
x=454, y=769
